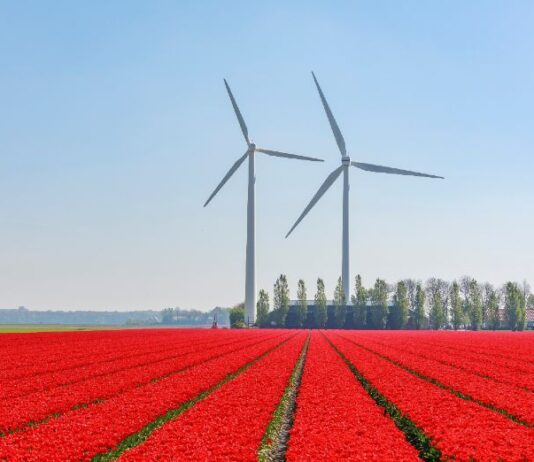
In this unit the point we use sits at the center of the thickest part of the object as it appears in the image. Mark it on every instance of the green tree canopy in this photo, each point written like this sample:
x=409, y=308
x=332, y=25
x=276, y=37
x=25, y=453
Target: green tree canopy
x=340, y=304
x=262, y=308
x=359, y=300
x=487, y=291
x=457, y=310
x=379, y=302
x=237, y=315
x=419, y=312
x=525, y=291
x=437, y=292
x=281, y=300
x=320, y=304
x=465, y=288
x=303, y=303
x=493, y=310
x=512, y=305
x=437, y=312
x=475, y=305
x=411, y=286
x=399, y=315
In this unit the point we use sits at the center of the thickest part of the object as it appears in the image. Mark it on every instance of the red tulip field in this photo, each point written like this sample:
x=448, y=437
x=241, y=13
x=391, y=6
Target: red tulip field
x=186, y=395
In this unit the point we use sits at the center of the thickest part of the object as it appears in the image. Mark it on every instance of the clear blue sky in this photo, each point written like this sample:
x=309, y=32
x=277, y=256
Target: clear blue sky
x=115, y=127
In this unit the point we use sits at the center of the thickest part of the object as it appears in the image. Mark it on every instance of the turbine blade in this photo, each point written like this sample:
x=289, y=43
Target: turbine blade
x=227, y=176
x=395, y=171
x=333, y=124
x=324, y=187
x=237, y=112
x=288, y=156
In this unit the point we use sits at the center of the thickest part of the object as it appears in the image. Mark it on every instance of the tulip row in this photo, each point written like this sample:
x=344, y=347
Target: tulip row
x=83, y=433
x=44, y=350
x=35, y=407
x=460, y=429
x=59, y=359
x=341, y=422
x=14, y=388
x=514, y=372
x=504, y=345
x=514, y=401
x=212, y=429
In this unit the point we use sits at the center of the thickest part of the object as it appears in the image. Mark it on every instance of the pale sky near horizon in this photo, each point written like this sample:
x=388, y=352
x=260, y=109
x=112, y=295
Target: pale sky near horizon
x=115, y=127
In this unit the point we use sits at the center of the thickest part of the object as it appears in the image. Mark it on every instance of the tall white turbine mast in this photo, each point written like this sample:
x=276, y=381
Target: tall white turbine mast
x=345, y=163
x=252, y=149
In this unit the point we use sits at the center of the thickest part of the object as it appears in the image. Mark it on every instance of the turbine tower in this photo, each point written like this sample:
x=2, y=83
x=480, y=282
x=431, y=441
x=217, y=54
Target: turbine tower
x=344, y=168
x=252, y=149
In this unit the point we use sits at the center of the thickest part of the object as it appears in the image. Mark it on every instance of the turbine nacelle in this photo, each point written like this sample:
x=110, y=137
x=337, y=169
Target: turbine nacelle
x=252, y=148
x=346, y=162
x=330, y=179
x=250, y=265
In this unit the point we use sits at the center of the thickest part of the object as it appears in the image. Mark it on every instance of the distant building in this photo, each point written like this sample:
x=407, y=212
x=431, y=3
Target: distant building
x=309, y=322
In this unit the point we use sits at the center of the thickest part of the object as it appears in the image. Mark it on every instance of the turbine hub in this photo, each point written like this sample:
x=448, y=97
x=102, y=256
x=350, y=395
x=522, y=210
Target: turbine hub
x=251, y=146
x=345, y=161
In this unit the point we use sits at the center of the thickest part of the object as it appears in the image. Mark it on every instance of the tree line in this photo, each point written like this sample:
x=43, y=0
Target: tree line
x=180, y=317
x=408, y=304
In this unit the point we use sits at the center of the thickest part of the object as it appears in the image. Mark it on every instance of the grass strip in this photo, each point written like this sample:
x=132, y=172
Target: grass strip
x=274, y=443
x=448, y=388
x=414, y=435
x=137, y=438
x=30, y=424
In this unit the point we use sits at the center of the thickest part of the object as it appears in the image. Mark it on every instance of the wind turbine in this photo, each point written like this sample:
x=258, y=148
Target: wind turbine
x=344, y=168
x=252, y=149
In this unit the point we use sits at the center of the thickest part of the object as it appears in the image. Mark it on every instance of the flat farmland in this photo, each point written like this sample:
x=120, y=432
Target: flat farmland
x=22, y=328
x=186, y=394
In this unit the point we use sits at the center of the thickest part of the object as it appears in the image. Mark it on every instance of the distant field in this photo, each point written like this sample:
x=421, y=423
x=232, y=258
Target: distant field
x=22, y=328
x=28, y=328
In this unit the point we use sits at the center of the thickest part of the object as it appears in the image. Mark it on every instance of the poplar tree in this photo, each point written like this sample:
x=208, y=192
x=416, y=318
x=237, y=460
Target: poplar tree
x=475, y=305
x=437, y=313
x=512, y=305
x=487, y=293
x=340, y=304
x=281, y=299
x=523, y=306
x=359, y=301
x=411, y=286
x=400, y=306
x=419, y=314
x=457, y=309
x=320, y=304
x=379, y=301
x=262, y=308
x=493, y=310
x=303, y=303
x=465, y=287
